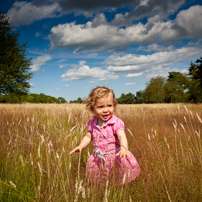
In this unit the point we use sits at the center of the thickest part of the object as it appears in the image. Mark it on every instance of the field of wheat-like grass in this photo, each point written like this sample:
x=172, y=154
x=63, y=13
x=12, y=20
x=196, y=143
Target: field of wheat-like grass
x=35, y=165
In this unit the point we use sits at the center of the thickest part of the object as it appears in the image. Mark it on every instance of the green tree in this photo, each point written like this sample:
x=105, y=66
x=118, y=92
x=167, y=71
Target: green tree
x=126, y=98
x=121, y=100
x=195, y=71
x=195, y=89
x=14, y=65
x=62, y=100
x=176, y=87
x=79, y=100
x=130, y=98
x=140, y=97
x=154, y=92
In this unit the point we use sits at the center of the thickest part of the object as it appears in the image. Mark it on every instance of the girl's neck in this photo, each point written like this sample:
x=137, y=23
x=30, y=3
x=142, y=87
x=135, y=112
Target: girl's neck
x=100, y=123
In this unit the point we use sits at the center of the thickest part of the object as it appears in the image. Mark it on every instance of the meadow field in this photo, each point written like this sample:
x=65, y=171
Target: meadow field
x=35, y=165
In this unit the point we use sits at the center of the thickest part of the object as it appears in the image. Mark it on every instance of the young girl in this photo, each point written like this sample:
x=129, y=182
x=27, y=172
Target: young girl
x=111, y=159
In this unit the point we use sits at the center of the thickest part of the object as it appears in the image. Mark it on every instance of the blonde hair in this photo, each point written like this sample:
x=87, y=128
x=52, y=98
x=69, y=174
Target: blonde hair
x=97, y=93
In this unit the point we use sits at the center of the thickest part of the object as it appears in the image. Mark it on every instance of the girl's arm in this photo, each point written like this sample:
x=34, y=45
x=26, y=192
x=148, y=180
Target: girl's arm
x=123, y=152
x=84, y=143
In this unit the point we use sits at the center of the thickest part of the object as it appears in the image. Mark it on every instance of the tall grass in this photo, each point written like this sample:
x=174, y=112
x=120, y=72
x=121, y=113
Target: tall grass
x=35, y=140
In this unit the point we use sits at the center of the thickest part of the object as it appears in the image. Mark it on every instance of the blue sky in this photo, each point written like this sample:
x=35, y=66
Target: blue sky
x=78, y=44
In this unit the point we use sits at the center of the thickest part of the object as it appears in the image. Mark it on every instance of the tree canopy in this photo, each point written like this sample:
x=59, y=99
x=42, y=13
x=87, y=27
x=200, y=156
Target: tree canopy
x=14, y=64
x=126, y=98
x=195, y=71
x=176, y=87
x=195, y=88
x=154, y=92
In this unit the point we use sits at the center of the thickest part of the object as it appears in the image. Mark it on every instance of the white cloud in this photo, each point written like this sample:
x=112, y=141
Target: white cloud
x=93, y=36
x=66, y=85
x=134, y=75
x=84, y=72
x=130, y=84
x=190, y=21
x=154, y=61
x=156, y=47
x=105, y=37
x=25, y=13
x=164, y=72
x=39, y=61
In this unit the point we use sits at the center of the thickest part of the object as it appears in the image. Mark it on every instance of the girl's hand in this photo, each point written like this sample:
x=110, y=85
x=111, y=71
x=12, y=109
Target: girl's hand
x=85, y=141
x=76, y=149
x=123, y=153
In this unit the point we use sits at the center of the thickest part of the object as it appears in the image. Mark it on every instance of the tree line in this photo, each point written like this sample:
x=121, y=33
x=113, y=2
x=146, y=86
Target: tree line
x=30, y=98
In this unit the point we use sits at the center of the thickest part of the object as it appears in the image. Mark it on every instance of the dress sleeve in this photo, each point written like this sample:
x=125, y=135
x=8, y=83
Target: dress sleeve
x=119, y=125
x=89, y=126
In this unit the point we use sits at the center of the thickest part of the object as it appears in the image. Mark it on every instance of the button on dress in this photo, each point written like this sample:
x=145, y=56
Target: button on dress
x=103, y=164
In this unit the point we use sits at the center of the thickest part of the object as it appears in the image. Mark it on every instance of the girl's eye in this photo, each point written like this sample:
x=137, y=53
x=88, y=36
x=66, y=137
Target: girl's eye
x=109, y=105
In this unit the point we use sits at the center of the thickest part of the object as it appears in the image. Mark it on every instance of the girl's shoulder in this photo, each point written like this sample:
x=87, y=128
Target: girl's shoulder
x=92, y=121
x=90, y=124
x=118, y=124
x=115, y=119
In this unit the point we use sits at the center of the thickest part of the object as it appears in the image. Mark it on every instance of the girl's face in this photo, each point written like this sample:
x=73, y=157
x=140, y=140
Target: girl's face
x=104, y=108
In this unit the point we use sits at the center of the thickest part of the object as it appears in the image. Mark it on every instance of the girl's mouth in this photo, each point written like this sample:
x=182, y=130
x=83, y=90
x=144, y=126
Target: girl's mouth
x=105, y=116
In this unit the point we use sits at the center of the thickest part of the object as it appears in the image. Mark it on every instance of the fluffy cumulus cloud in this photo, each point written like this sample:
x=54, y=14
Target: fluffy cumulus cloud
x=84, y=72
x=25, y=13
x=157, y=61
x=88, y=37
x=39, y=61
x=104, y=34
x=189, y=21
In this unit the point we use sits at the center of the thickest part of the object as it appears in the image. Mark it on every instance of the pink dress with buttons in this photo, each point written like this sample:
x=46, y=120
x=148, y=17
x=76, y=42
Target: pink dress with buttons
x=103, y=165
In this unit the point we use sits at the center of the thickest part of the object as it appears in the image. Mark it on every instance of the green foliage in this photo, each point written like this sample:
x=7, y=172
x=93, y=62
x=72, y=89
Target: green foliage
x=30, y=98
x=176, y=87
x=195, y=71
x=195, y=92
x=126, y=98
x=154, y=92
x=79, y=100
x=195, y=89
x=14, y=65
x=140, y=97
x=62, y=100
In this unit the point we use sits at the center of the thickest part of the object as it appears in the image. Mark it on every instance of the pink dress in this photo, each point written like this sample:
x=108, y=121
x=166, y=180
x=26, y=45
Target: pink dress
x=103, y=165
